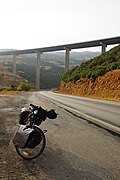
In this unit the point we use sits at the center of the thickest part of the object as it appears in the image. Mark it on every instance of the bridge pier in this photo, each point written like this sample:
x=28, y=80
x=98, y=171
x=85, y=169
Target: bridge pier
x=103, y=47
x=38, y=70
x=67, y=57
x=14, y=63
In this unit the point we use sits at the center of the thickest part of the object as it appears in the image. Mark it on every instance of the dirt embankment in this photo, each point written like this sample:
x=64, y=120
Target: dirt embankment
x=106, y=86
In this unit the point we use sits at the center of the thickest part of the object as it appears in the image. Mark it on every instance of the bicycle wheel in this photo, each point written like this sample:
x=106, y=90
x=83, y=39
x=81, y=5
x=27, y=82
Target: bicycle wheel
x=32, y=153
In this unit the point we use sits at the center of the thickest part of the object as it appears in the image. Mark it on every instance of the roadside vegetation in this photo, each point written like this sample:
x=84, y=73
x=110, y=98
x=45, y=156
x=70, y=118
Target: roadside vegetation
x=14, y=89
x=24, y=87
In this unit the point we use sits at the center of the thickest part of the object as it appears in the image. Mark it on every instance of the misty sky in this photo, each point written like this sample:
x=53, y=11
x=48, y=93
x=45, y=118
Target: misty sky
x=27, y=24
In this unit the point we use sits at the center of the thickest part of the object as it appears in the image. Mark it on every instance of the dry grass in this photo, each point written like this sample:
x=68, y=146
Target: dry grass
x=9, y=92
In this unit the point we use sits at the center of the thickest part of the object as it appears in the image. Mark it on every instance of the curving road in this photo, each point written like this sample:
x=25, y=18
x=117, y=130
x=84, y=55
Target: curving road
x=101, y=112
x=75, y=149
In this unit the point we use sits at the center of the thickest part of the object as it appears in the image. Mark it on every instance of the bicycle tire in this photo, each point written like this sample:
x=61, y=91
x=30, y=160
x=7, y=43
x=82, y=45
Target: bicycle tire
x=32, y=153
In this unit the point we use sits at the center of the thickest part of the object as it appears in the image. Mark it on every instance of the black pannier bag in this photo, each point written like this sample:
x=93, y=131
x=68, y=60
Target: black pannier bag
x=34, y=139
x=40, y=116
x=52, y=114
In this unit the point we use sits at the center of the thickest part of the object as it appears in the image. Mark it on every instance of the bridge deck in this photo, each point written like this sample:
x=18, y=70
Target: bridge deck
x=95, y=43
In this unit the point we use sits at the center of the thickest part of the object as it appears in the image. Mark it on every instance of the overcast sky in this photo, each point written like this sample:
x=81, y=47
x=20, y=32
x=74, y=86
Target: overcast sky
x=27, y=24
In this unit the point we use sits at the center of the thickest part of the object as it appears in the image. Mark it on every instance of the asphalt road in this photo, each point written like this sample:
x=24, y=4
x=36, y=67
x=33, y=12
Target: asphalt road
x=104, y=113
x=75, y=149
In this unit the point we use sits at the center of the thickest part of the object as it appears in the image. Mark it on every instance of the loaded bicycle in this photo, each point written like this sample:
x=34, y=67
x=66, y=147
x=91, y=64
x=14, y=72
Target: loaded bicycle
x=29, y=139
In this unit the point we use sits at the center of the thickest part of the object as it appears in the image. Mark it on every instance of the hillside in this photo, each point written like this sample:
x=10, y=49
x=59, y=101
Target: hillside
x=52, y=66
x=99, y=77
x=95, y=67
x=8, y=79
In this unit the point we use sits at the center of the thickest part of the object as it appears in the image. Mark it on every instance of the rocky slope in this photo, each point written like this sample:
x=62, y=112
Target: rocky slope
x=8, y=79
x=106, y=86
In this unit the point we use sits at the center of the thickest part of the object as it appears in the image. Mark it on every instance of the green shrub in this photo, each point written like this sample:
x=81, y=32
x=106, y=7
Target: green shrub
x=76, y=78
x=24, y=87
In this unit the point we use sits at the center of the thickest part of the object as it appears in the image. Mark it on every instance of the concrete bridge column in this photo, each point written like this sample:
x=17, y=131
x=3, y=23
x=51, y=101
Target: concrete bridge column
x=103, y=47
x=38, y=70
x=14, y=63
x=67, y=57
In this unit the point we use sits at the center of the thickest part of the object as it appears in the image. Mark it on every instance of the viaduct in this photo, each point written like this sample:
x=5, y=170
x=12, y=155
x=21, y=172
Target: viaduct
x=66, y=47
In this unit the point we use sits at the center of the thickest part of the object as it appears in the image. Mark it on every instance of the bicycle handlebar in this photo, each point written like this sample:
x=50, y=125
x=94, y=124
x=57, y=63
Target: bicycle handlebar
x=34, y=107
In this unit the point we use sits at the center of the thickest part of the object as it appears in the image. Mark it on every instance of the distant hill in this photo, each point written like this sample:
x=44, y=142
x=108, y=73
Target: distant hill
x=52, y=66
x=3, y=50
